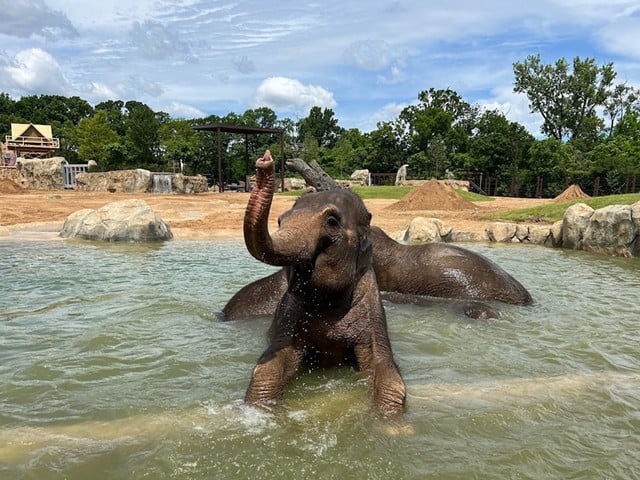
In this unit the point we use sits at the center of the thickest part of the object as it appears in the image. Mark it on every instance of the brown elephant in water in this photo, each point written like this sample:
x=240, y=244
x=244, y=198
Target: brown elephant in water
x=330, y=312
x=406, y=274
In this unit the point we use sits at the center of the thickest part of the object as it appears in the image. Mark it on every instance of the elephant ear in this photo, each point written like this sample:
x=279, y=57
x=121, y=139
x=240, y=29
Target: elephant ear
x=365, y=252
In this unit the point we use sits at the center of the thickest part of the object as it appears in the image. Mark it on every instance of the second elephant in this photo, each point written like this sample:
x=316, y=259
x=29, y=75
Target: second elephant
x=434, y=269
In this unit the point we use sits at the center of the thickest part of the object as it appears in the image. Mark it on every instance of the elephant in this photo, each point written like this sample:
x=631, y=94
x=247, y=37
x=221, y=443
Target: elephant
x=330, y=313
x=405, y=274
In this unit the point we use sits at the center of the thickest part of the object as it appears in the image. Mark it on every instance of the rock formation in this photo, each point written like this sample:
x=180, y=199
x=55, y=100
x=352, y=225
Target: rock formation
x=137, y=181
x=611, y=230
x=40, y=173
x=125, y=221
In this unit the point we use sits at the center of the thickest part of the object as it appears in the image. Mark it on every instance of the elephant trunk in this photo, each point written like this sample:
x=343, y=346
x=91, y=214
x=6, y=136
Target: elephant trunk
x=284, y=246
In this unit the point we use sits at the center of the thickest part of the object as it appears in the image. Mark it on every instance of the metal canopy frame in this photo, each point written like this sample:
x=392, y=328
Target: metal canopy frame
x=244, y=130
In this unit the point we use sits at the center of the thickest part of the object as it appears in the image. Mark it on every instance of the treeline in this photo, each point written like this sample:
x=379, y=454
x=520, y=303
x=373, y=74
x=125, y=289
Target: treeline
x=591, y=128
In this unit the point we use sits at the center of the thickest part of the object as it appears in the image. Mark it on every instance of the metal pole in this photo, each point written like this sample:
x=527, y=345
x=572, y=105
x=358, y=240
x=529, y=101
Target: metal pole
x=220, y=177
x=282, y=161
x=246, y=162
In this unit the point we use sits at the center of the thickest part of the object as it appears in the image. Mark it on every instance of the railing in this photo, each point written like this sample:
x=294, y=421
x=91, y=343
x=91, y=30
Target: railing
x=69, y=173
x=32, y=142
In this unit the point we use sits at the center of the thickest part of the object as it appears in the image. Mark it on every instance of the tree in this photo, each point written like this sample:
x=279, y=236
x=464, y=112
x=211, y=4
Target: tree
x=310, y=150
x=565, y=98
x=179, y=143
x=341, y=157
x=621, y=99
x=95, y=139
x=441, y=117
x=498, y=148
x=141, y=138
x=322, y=125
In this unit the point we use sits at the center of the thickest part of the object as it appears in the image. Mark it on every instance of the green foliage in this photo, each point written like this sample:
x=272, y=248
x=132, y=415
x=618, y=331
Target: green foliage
x=321, y=125
x=95, y=139
x=553, y=212
x=592, y=128
x=566, y=98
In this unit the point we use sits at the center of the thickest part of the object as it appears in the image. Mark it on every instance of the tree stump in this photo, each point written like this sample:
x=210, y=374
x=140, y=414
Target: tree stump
x=313, y=174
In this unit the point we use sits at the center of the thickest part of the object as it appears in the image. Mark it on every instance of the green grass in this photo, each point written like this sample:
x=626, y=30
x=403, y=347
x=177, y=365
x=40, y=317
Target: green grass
x=551, y=212
x=382, y=191
x=394, y=193
x=555, y=211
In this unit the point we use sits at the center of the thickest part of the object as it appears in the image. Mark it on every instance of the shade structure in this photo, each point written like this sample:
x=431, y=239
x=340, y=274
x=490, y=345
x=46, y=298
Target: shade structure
x=243, y=130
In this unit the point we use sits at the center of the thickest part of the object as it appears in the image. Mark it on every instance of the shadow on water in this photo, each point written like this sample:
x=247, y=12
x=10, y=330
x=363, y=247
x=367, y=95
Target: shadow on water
x=113, y=364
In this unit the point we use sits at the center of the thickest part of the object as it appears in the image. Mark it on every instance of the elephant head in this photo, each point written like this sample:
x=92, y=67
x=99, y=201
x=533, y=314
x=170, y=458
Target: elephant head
x=323, y=238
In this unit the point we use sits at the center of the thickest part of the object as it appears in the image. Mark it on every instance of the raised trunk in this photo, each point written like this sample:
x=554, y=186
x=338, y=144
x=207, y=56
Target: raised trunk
x=279, y=249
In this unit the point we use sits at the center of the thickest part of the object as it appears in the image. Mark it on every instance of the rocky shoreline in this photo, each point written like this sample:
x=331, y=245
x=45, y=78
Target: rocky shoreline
x=612, y=230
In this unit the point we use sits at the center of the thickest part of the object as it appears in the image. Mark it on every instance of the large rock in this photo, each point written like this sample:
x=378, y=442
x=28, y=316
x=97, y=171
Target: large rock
x=426, y=230
x=574, y=223
x=610, y=230
x=613, y=230
x=125, y=221
x=121, y=181
x=40, y=173
x=189, y=183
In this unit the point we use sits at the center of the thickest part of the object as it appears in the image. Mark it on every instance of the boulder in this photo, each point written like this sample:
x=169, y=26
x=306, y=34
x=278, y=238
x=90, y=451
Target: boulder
x=502, y=232
x=574, y=223
x=426, y=230
x=40, y=173
x=293, y=183
x=539, y=234
x=189, y=183
x=610, y=230
x=124, y=221
x=120, y=181
x=361, y=176
x=555, y=234
x=613, y=230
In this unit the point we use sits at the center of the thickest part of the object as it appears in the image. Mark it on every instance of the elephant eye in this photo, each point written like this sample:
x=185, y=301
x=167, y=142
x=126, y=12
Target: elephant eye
x=333, y=221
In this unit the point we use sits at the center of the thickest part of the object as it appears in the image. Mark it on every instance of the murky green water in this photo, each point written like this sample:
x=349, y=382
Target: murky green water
x=113, y=365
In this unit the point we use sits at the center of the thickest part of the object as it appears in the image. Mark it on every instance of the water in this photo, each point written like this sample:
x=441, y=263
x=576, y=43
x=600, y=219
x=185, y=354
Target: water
x=114, y=364
x=162, y=183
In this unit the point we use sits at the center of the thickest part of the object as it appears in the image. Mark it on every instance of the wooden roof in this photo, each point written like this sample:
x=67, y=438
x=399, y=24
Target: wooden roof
x=31, y=130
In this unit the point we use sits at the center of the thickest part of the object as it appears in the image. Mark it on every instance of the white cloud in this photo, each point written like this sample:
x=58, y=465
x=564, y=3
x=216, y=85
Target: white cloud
x=288, y=94
x=156, y=41
x=34, y=71
x=146, y=86
x=181, y=110
x=514, y=106
x=99, y=92
x=24, y=18
x=621, y=36
x=389, y=112
x=373, y=55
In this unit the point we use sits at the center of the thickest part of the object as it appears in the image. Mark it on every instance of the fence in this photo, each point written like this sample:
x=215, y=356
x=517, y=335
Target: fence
x=69, y=173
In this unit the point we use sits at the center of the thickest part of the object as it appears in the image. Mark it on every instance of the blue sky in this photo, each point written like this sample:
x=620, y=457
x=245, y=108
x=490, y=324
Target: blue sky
x=364, y=59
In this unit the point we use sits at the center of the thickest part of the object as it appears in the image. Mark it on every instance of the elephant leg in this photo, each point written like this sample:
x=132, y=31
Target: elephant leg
x=388, y=387
x=274, y=369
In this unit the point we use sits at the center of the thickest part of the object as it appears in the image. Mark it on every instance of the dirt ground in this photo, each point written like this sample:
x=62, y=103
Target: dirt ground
x=213, y=215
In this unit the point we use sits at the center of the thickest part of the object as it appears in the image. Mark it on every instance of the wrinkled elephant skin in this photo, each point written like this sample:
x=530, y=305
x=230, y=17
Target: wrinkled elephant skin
x=330, y=312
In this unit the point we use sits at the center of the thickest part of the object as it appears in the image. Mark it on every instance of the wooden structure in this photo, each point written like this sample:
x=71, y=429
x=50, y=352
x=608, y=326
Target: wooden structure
x=239, y=129
x=31, y=141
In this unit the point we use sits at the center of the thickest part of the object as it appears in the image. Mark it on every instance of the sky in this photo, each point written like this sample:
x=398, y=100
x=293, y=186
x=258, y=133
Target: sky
x=366, y=60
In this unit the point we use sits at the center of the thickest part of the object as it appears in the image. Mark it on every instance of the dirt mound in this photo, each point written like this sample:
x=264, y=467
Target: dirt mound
x=432, y=195
x=571, y=193
x=9, y=186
